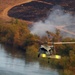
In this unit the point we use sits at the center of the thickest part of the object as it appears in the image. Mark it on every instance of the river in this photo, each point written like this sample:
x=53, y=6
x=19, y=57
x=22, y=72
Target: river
x=13, y=62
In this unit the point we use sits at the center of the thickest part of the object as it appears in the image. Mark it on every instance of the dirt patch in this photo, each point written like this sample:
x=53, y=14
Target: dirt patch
x=4, y=12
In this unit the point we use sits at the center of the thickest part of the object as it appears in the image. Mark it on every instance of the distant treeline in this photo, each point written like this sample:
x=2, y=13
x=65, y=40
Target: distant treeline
x=17, y=34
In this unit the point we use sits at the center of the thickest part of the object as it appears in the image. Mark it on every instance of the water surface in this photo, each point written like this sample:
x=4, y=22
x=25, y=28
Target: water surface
x=13, y=62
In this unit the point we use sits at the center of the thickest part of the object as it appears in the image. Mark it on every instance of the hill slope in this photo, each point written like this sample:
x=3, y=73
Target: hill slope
x=38, y=9
x=6, y=5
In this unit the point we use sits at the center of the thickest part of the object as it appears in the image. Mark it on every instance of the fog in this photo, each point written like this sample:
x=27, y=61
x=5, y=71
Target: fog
x=56, y=17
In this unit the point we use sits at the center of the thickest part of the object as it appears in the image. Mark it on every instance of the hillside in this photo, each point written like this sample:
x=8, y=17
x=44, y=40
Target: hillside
x=70, y=4
x=5, y=6
x=5, y=3
x=38, y=9
x=32, y=11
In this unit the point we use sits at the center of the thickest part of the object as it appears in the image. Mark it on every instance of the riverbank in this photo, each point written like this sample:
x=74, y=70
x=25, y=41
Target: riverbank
x=14, y=62
x=17, y=34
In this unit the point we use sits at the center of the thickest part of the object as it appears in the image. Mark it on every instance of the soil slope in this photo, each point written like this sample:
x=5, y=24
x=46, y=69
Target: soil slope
x=38, y=9
x=5, y=6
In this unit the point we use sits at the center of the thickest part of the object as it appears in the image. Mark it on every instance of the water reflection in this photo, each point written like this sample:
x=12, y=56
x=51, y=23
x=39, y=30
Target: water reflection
x=14, y=62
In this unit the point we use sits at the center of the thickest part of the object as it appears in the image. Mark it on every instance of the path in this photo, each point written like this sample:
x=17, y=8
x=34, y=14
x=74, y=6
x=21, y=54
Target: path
x=4, y=14
x=62, y=29
x=44, y=2
x=58, y=27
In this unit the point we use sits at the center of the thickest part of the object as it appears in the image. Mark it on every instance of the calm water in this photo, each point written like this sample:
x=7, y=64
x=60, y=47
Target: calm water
x=15, y=63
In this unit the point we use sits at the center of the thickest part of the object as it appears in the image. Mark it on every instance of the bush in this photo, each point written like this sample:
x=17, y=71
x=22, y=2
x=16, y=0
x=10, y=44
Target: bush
x=32, y=51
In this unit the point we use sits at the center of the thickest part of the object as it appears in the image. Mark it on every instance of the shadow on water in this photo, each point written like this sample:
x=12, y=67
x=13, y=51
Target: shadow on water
x=15, y=53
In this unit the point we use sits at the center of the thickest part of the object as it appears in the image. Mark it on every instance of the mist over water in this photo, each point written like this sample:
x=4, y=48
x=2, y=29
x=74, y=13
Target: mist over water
x=56, y=17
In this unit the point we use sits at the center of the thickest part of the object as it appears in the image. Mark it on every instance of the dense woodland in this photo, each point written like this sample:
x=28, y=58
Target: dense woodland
x=17, y=34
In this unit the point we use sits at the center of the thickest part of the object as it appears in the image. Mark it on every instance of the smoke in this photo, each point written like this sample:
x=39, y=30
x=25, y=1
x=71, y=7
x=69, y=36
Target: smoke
x=56, y=17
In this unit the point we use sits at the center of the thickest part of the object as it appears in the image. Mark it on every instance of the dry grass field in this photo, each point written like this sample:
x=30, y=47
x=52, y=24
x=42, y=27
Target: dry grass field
x=6, y=5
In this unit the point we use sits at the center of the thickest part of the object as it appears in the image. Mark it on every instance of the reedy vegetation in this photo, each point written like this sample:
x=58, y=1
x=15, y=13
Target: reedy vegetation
x=17, y=34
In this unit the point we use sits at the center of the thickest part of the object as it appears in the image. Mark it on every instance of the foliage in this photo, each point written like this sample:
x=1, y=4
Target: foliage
x=18, y=35
x=68, y=56
x=67, y=52
x=32, y=51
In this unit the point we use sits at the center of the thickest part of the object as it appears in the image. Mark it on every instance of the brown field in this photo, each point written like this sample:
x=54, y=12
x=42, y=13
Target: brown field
x=6, y=5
